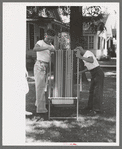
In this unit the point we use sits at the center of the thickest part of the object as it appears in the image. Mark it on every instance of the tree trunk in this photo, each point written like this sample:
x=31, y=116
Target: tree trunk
x=76, y=34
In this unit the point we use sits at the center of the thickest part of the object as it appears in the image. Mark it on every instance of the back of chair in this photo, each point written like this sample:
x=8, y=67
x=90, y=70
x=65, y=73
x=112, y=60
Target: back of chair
x=62, y=85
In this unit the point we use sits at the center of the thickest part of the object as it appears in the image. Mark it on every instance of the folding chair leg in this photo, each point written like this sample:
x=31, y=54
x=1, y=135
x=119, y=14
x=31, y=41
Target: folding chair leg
x=77, y=109
x=48, y=109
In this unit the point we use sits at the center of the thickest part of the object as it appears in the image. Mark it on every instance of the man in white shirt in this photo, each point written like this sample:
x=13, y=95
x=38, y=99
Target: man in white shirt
x=43, y=49
x=96, y=88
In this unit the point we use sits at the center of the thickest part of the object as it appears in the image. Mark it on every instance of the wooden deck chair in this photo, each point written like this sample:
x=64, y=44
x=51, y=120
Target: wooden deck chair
x=61, y=90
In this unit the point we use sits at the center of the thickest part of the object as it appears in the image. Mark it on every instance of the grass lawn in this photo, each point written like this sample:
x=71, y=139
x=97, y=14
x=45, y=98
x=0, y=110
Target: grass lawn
x=98, y=128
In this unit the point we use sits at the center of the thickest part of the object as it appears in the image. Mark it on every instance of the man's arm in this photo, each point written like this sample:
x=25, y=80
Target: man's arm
x=89, y=59
x=52, y=49
x=83, y=71
x=41, y=48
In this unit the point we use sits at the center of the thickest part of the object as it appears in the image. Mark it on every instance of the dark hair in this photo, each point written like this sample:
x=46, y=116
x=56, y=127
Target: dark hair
x=50, y=32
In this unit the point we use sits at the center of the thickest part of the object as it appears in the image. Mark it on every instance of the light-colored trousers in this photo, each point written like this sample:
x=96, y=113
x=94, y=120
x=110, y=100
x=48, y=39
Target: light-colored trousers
x=40, y=75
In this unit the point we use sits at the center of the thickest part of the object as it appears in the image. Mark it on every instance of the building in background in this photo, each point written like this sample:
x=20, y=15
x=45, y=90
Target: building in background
x=101, y=43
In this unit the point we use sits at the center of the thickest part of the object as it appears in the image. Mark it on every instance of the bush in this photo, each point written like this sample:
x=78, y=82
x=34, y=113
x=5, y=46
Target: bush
x=105, y=58
x=30, y=61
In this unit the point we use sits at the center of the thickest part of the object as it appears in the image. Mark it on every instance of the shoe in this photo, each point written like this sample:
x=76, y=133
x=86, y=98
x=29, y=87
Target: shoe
x=40, y=116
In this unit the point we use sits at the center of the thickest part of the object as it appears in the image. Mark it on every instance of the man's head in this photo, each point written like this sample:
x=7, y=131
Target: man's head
x=49, y=36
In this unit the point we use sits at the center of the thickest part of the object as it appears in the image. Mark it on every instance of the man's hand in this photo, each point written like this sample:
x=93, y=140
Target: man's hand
x=78, y=55
x=52, y=49
x=78, y=50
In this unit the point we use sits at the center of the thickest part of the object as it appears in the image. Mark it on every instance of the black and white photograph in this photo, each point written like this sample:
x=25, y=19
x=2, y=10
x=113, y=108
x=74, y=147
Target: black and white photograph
x=63, y=67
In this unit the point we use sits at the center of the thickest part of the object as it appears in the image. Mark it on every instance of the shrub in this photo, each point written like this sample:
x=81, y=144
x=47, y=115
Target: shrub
x=105, y=58
x=30, y=61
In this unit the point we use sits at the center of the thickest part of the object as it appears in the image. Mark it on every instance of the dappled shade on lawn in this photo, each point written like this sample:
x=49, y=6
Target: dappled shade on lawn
x=98, y=128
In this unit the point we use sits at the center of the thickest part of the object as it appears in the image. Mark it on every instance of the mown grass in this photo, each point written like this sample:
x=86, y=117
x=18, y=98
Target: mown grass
x=96, y=128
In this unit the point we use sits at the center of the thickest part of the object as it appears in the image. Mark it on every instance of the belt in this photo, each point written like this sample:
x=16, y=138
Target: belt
x=43, y=62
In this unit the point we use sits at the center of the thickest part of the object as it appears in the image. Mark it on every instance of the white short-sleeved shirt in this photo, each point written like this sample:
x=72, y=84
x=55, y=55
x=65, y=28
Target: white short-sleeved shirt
x=93, y=65
x=44, y=55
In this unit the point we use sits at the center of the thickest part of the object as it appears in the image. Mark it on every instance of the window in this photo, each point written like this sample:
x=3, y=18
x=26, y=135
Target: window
x=31, y=35
x=91, y=42
x=88, y=42
x=85, y=42
x=104, y=44
x=41, y=33
x=98, y=42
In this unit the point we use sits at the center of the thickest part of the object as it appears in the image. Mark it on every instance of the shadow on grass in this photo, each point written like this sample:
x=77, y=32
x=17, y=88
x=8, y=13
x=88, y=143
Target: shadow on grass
x=97, y=128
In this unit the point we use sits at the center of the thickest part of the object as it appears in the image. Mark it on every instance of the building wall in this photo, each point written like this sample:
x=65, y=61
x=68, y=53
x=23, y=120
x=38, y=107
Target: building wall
x=29, y=51
x=98, y=52
x=36, y=33
x=95, y=45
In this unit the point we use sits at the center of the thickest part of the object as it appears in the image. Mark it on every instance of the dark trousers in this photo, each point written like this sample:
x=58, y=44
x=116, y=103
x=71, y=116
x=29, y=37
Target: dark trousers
x=96, y=89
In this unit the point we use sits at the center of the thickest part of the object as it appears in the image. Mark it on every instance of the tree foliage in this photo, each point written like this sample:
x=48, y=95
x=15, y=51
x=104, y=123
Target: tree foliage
x=39, y=11
x=92, y=16
x=65, y=10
